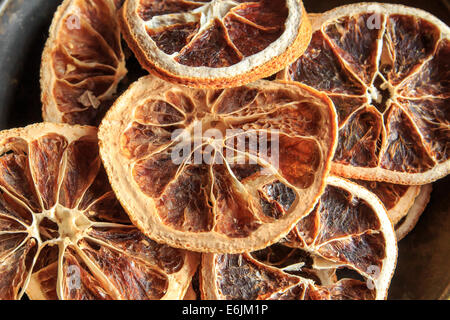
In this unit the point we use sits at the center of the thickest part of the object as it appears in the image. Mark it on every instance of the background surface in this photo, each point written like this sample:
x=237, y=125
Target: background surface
x=423, y=270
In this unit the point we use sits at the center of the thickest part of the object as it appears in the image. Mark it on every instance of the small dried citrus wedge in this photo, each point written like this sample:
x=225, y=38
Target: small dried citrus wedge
x=344, y=249
x=227, y=170
x=82, y=63
x=217, y=43
x=404, y=204
x=63, y=234
x=387, y=70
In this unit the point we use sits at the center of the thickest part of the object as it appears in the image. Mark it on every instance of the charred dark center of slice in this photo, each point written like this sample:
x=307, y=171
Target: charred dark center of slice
x=381, y=93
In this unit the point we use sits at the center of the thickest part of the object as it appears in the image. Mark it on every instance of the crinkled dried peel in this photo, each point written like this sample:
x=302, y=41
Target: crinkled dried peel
x=220, y=205
x=217, y=43
x=344, y=249
x=387, y=70
x=64, y=235
x=82, y=63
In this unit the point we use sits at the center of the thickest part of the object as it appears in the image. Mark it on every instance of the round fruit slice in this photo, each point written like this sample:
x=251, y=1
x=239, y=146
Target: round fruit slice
x=344, y=249
x=64, y=235
x=217, y=43
x=387, y=70
x=218, y=170
x=400, y=201
x=82, y=63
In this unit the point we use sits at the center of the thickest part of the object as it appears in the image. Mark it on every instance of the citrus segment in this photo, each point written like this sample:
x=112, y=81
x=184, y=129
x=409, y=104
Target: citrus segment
x=89, y=288
x=245, y=278
x=358, y=140
x=432, y=78
x=408, y=43
x=14, y=265
x=430, y=117
x=320, y=68
x=408, y=153
x=385, y=68
x=82, y=63
x=64, y=235
x=217, y=43
x=45, y=160
x=207, y=169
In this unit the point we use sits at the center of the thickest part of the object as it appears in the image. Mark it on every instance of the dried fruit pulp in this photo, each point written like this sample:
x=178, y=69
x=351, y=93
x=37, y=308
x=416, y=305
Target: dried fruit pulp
x=404, y=204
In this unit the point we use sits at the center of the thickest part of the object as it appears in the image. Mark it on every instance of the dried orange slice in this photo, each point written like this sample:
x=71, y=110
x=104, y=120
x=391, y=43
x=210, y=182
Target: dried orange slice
x=82, y=63
x=190, y=294
x=386, y=68
x=218, y=170
x=63, y=234
x=404, y=204
x=217, y=43
x=344, y=249
x=193, y=292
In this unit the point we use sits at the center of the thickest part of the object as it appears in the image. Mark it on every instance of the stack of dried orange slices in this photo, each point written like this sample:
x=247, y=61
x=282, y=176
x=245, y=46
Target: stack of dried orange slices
x=296, y=188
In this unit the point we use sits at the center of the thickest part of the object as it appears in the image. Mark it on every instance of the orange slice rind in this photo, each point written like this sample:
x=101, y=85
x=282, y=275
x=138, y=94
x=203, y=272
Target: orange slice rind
x=344, y=249
x=63, y=234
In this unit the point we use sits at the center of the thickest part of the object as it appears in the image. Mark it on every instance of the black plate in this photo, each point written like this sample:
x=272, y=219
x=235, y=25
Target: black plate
x=424, y=255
